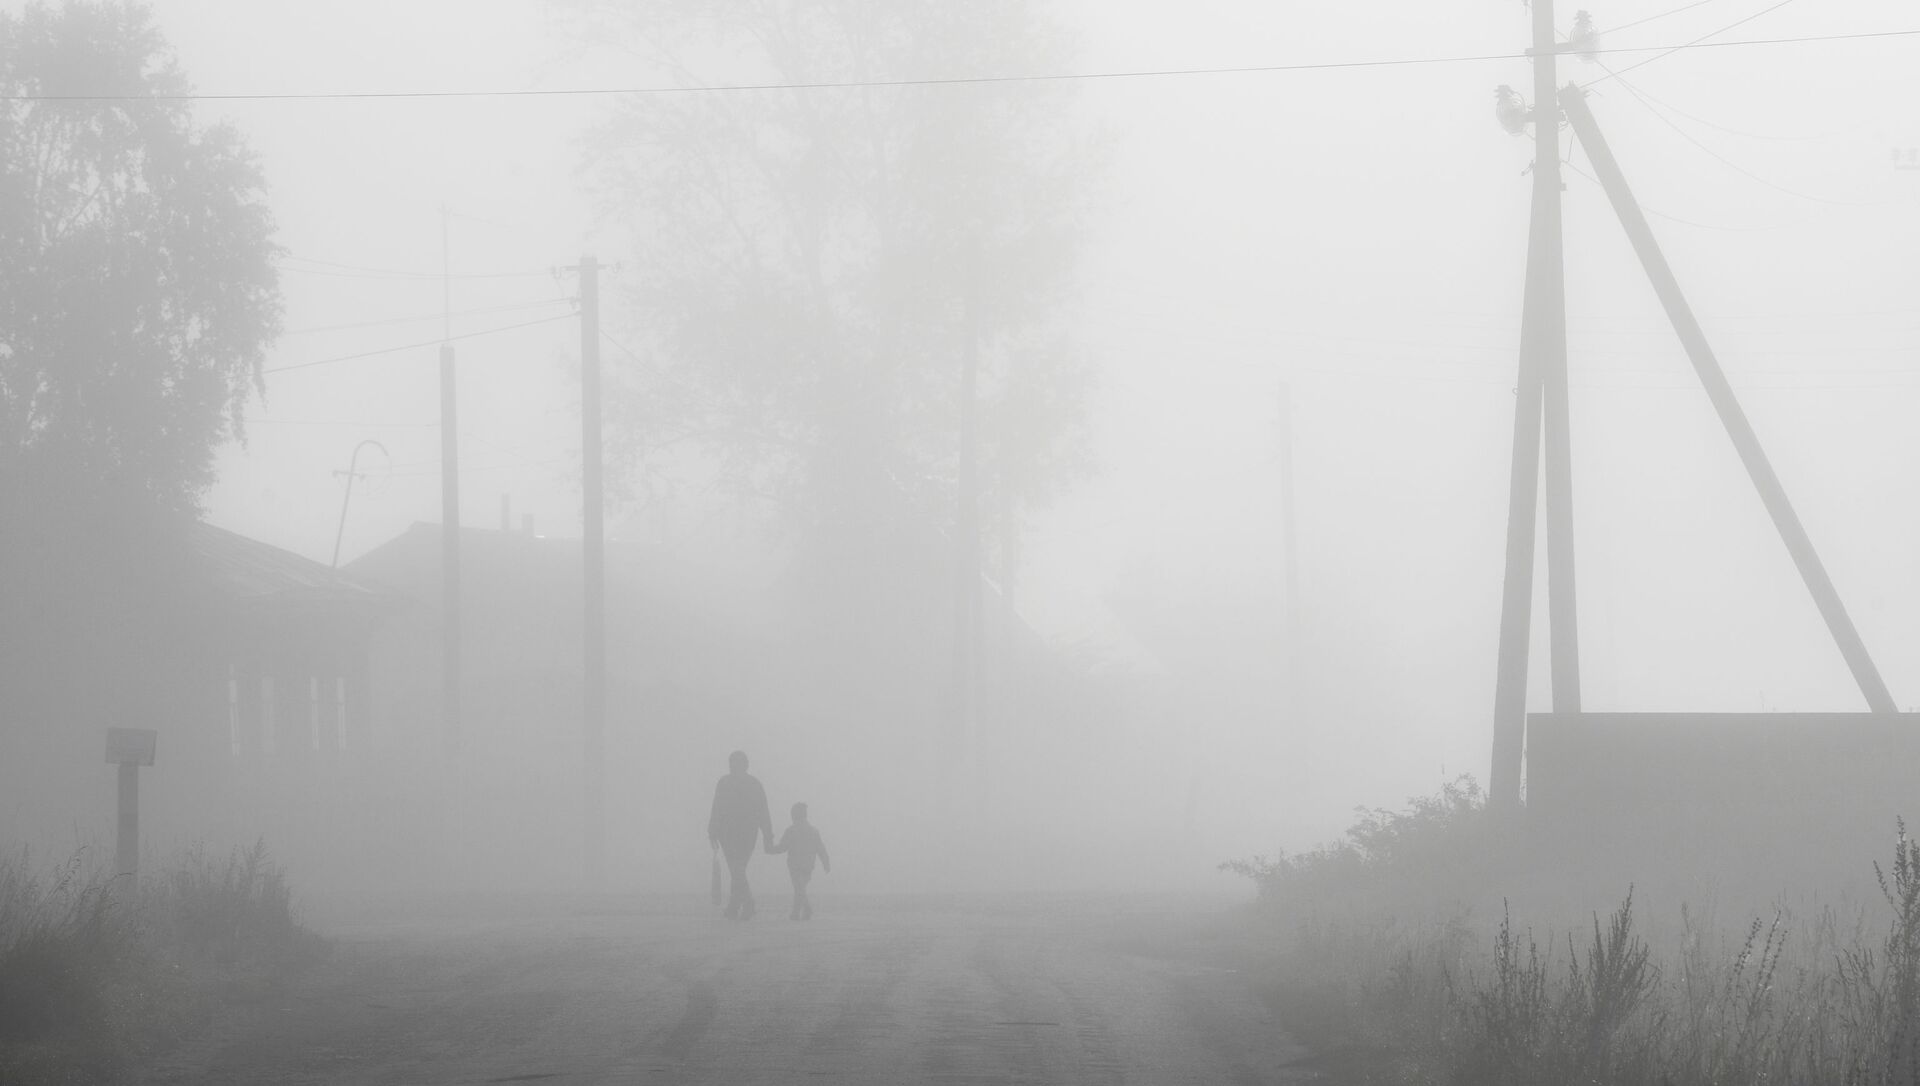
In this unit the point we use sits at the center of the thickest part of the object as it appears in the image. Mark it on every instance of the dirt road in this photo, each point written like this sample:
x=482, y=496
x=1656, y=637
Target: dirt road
x=990, y=991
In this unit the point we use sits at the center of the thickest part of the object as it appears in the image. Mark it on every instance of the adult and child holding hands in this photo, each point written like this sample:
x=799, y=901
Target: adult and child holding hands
x=739, y=819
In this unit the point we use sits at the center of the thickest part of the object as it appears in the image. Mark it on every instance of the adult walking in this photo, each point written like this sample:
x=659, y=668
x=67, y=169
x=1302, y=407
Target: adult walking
x=739, y=816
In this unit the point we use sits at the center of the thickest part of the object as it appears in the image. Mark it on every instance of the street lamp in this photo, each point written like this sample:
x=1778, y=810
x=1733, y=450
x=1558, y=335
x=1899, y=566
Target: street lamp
x=352, y=473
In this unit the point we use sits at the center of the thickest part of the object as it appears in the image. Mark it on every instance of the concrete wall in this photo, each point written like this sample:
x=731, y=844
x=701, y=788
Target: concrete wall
x=1758, y=802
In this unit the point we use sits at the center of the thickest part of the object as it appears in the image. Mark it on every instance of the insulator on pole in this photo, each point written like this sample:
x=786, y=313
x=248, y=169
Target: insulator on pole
x=1585, y=37
x=1510, y=109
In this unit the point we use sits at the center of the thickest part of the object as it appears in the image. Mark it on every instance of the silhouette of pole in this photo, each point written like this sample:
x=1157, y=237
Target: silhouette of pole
x=1540, y=392
x=1546, y=265
x=353, y=472
x=1725, y=404
x=966, y=536
x=449, y=512
x=593, y=562
x=126, y=855
x=1289, y=543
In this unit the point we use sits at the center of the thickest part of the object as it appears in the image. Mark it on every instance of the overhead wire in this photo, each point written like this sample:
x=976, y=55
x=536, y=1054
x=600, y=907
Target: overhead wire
x=1651, y=18
x=253, y=421
x=1700, y=42
x=413, y=346
x=1724, y=160
x=416, y=470
x=1651, y=97
x=355, y=271
x=424, y=317
x=974, y=80
x=1658, y=214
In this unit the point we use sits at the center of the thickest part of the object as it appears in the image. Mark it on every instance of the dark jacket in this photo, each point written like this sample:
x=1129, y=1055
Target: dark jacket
x=739, y=813
x=803, y=845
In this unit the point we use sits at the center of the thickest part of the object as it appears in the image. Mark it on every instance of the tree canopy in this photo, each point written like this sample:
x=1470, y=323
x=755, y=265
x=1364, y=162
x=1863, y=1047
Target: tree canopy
x=808, y=266
x=138, y=292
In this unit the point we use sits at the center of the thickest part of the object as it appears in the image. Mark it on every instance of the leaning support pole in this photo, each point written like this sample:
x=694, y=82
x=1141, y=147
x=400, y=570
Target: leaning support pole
x=1547, y=317
x=1634, y=221
x=1516, y=597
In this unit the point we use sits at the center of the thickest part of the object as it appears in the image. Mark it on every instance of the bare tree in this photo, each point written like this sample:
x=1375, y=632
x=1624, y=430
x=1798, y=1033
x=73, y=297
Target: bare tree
x=805, y=258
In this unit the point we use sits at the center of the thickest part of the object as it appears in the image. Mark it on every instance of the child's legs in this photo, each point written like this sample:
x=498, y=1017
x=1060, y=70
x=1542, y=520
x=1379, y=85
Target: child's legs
x=801, y=876
x=799, y=892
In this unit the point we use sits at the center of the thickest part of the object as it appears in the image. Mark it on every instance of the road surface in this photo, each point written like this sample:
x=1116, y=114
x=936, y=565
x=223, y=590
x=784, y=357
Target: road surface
x=992, y=990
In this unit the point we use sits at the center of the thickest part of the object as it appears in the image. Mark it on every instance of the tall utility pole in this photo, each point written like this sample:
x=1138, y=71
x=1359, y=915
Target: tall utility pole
x=1542, y=387
x=1289, y=542
x=1562, y=617
x=449, y=512
x=593, y=563
x=966, y=545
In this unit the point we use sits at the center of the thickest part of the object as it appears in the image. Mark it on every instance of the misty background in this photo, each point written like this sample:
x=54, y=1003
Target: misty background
x=1324, y=264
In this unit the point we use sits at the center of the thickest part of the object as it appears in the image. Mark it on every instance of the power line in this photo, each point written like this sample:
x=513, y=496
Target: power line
x=949, y=81
x=1642, y=22
x=1700, y=42
x=414, y=346
x=413, y=471
x=252, y=421
x=624, y=349
x=1724, y=160
x=422, y=318
x=354, y=271
x=1651, y=97
x=1663, y=215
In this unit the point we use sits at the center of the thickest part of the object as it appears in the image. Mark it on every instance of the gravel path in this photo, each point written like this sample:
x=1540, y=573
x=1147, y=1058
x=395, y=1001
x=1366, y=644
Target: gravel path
x=993, y=990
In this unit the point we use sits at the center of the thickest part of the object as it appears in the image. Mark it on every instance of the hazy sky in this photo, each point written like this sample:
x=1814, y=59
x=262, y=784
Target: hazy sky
x=1358, y=234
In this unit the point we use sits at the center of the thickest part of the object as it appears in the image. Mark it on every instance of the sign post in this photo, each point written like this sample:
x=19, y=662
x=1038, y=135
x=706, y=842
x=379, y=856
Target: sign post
x=129, y=748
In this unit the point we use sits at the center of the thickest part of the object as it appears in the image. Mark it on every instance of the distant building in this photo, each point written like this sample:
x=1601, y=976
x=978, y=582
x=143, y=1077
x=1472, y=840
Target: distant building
x=687, y=668
x=836, y=681
x=249, y=661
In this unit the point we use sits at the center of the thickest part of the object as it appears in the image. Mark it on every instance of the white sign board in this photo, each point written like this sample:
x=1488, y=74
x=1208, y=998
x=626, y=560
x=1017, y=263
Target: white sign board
x=131, y=746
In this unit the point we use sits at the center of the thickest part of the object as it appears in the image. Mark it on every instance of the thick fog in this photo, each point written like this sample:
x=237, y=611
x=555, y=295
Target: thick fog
x=1248, y=576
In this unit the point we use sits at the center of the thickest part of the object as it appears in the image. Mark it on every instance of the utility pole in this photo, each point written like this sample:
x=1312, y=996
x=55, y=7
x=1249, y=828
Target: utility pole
x=1745, y=442
x=593, y=562
x=1289, y=543
x=1006, y=675
x=966, y=542
x=1540, y=390
x=449, y=512
x=1551, y=300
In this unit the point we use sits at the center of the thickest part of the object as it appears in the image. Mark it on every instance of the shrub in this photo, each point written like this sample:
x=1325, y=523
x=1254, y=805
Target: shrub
x=94, y=971
x=221, y=912
x=61, y=944
x=1438, y=848
x=1792, y=1001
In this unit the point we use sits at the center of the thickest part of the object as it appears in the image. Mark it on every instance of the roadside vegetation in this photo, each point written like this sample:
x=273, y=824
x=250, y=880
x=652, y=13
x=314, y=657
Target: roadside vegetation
x=97, y=973
x=1383, y=954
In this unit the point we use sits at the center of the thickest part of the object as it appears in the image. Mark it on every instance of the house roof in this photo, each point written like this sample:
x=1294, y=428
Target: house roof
x=501, y=563
x=248, y=571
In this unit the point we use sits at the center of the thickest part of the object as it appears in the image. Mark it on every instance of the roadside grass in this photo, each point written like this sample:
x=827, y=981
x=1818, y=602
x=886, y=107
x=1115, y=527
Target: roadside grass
x=1379, y=960
x=96, y=972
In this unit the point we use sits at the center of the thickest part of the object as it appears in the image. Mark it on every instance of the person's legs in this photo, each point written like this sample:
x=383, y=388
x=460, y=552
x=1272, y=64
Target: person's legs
x=802, y=908
x=739, y=894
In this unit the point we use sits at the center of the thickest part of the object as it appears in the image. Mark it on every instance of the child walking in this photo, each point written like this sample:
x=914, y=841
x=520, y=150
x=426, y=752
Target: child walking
x=802, y=845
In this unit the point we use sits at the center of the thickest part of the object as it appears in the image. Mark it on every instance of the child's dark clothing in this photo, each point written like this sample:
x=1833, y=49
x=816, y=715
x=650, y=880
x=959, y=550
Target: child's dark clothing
x=803, y=846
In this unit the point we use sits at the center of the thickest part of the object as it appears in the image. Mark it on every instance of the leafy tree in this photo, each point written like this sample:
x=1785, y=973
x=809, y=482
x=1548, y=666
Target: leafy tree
x=808, y=266
x=137, y=287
